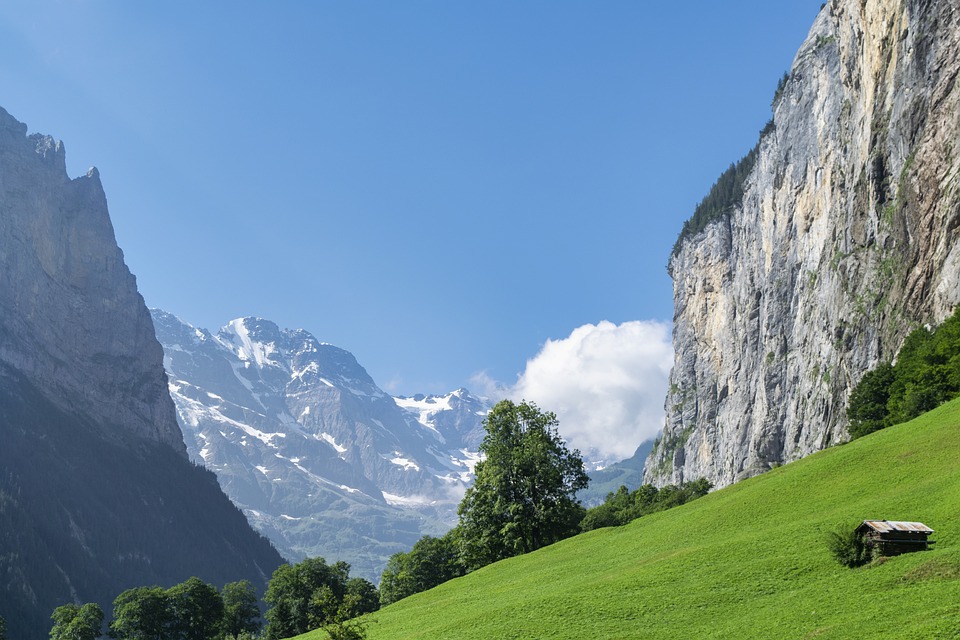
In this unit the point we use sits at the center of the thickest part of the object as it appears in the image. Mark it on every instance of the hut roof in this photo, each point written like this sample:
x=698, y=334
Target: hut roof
x=890, y=526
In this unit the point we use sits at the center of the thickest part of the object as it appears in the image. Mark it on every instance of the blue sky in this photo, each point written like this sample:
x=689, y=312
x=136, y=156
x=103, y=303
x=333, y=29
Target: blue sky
x=439, y=187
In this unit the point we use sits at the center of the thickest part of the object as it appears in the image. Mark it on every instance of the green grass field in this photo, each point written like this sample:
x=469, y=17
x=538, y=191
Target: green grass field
x=749, y=561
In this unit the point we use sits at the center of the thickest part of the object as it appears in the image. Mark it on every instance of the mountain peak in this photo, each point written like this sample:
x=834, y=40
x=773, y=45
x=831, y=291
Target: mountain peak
x=300, y=433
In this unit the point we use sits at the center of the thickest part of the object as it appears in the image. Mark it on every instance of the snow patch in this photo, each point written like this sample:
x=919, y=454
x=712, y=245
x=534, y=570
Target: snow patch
x=312, y=368
x=469, y=459
x=425, y=409
x=400, y=461
x=333, y=443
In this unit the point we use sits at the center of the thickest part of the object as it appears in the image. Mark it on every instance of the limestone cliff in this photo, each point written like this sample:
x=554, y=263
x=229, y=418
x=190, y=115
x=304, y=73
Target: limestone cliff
x=845, y=240
x=97, y=494
x=71, y=319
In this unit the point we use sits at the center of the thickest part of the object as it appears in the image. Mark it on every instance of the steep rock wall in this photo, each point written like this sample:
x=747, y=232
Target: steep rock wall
x=845, y=241
x=97, y=494
x=71, y=319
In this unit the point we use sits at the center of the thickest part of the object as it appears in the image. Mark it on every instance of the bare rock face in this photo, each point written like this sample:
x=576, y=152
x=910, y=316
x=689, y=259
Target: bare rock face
x=97, y=494
x=71, y=319
x=845, y=241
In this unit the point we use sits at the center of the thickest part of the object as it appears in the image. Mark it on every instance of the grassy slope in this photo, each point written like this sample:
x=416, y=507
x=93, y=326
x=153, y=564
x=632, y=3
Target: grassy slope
x=745, y=562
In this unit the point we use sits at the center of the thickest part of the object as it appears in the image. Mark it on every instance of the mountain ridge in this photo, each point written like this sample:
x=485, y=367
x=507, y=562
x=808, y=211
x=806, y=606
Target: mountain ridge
x=321, y=459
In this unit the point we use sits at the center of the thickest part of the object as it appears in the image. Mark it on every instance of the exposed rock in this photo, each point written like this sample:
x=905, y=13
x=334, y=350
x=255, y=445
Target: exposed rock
x=846, y=240
x=71, y=319
x=96, y=492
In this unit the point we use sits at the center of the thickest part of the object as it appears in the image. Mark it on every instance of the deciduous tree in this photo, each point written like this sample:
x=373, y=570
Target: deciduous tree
x=73, y=622
x=141, y=613
x=240, y=611
x=524, y=495
x=196, y=610
x=310, y=594
x=431, y=562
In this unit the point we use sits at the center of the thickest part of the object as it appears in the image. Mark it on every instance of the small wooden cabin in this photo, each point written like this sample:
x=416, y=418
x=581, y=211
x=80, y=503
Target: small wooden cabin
x=892, y=537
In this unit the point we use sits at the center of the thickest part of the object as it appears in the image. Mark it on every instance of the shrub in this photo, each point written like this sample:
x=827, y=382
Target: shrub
x=848, y=547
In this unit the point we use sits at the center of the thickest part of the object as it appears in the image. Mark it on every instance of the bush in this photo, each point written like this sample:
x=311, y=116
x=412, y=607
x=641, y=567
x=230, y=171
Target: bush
x=848, y=547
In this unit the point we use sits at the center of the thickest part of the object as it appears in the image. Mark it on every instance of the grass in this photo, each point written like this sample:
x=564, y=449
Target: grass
x=749, y=561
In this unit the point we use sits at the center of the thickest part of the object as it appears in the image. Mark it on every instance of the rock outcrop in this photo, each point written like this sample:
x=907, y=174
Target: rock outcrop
x=845, y=240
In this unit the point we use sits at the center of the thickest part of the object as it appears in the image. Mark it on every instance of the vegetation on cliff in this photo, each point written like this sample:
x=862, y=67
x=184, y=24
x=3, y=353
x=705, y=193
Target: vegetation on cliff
x=727, y=192
x=926, y=374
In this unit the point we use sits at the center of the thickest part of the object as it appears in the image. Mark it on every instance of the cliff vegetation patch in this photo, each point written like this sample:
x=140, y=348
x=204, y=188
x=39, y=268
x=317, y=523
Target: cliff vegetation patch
x=926, y=374
x=727, y=192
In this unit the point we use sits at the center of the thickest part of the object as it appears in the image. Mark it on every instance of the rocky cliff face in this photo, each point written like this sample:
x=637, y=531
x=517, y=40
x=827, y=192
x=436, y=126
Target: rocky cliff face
x=96, y=492
x=71, y=319
x=846, y=239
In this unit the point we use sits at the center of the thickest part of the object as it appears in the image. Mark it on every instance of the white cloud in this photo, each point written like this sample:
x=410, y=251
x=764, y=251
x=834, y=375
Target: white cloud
x=606, y=383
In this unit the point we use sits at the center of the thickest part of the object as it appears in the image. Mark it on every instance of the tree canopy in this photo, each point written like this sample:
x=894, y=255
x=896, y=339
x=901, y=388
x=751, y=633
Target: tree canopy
x=195, y=609
x=240, y=611
x=624, y=505
x=73, y=622
x=141, y=613
x=524, y=494
x=191, y=610
x=312, y=594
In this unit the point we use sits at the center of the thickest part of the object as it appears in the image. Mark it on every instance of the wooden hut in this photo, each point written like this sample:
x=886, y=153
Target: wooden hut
x=893, y=537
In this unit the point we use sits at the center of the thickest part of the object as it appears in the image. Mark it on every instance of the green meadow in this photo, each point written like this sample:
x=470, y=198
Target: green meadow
x=748, y=561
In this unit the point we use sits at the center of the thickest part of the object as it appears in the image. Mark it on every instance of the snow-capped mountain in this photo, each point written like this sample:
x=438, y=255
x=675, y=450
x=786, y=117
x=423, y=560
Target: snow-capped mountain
x=321, y=460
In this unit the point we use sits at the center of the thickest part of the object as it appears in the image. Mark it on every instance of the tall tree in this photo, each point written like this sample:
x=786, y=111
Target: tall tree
x=141, y=613
x=240, y=610
x=3, y=629
x=196, y=610
x=524, y=495
x=72, y=622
